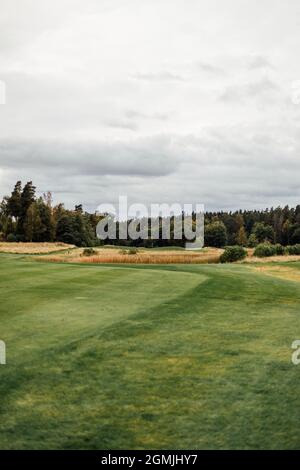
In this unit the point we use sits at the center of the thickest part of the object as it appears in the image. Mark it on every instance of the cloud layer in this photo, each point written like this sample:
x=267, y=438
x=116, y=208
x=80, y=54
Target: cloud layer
x=152, y=99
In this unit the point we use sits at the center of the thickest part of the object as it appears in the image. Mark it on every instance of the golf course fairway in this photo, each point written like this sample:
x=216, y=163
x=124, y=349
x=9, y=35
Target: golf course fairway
x=147, y=357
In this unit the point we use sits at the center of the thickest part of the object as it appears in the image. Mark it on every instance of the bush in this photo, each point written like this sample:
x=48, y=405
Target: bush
x=264, y=250
x=233, y=253
x=279, y=249
x=11, y=238
x=293, y=250
x=89, y=252
x=252, y=241
x=20, y=238
x=132, y=251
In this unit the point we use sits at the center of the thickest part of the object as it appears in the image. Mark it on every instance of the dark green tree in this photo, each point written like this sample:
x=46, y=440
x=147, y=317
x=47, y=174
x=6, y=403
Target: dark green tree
x=27, y=198
x=263, y=232
x=47, y=232
x=295, y=236
x=14, y=205
x=64, y=229
x=215, y=234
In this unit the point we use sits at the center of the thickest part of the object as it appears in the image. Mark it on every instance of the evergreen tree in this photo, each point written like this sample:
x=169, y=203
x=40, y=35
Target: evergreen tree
x=64, y=229
x=48, y=225
x=27, y=198
x=215, y=234
x=14, y=205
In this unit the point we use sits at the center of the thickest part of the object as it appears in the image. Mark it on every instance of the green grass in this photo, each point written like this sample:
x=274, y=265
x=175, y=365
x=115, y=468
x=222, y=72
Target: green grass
x=141, y=357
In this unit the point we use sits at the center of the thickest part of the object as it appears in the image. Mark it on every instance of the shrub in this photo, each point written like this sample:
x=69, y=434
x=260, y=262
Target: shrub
x=233, y=253
x=264, y=250
x=89, y=252
x=296, y=249
x=132, y=251
x=252, y=241
x=19, y=238
x=11, y=238
x=279, y=249
x=293, y=250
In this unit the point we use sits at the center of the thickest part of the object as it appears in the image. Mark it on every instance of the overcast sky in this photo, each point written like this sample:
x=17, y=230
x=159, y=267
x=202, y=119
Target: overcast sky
x=160, y=100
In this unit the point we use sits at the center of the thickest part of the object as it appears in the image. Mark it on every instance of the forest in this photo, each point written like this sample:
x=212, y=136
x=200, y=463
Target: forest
x=25, y=217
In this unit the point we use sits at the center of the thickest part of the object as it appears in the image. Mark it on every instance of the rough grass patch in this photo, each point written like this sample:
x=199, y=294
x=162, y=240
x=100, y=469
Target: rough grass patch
x=33, y=248
x=142, y=256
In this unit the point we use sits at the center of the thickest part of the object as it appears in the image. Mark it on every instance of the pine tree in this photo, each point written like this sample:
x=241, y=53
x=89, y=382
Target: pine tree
x=64, y=228
x=14, y=206
x=27, y=198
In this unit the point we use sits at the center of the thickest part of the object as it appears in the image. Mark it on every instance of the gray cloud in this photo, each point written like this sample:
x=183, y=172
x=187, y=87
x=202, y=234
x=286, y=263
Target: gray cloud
x=121, y=124
x=209, y=68
x=134, y=114
x=256, y=89
x=151, y=99
x=144, y=157
x=163, y=76
x=216, y=169
x=259, y=62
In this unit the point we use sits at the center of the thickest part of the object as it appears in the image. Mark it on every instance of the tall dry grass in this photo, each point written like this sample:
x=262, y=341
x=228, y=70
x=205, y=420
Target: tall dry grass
x=33, y=248
x=141, y=258
x=271, y=259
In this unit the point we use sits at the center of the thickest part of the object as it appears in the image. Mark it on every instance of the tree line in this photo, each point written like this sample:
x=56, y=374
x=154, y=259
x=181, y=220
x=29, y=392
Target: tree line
x=251, y=227
x=24, y=217
x=27, y=218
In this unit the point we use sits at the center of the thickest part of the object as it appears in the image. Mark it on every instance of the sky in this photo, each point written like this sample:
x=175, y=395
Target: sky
x=184, y=101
